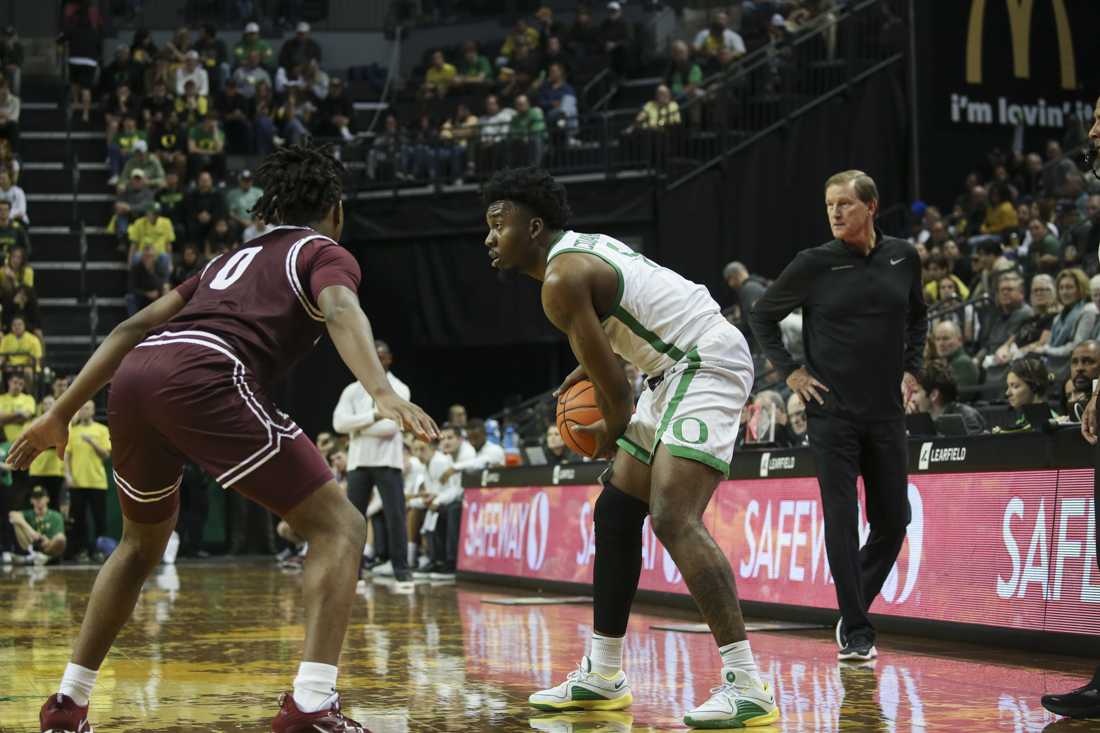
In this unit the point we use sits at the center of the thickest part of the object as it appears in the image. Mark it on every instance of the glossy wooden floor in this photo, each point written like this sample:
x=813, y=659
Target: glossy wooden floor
x=212, y=645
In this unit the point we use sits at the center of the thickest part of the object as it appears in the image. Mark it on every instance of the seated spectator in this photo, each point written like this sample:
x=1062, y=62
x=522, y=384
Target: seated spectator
x=121, y=147
x=659, y=113
x=121, y=70
x=937, y=394
x=615, y=37
x=684, y=77
x=202, y=206
x=21, y=350
x=190, y=107
x=1073, y=324
x=716, y=37
x=24, y=304
x=1034, y=332
x=520, y=35
x=9, y=114
x=983, y=254
x=446, y=503
x=288, y=79
x=1005, y=321
x=1043, y=250
x=583, y=37
x=180, y=44
x=242, y=198
x=130, y=203
x=555, y=449
x=419, y=154
x=1026, y=383
x=224, y=236
x=11, y=57
x=250, y=44
x=162, y=70
x=474, y=69
x=170, y=199
x=156, y=107
x=1001, y=215
x=168, y=144
x=796, y=420
x=301, y=49
x=965, y=317
x=190, y=264
x=438, y=78
x=206, y=148
x=12, y=233
x=949, y=348
x=152, y=231
x=527, y=130
x=236, y=112
x=495, y=125
x=335, y=112
x=213, y=54
x=384, y=158
x=455, y=136
x=295, y=117
x=257, y=228
x=315, y=82
x=149, y=164
x=193, y=71
x=15, y=272
x=146, y=281
x=40, y=531
x=15, y=197
x=936, y=268
x=8, y=161
x=558, y=100
x=250, y=74
x=553, y=52
x=956, y=263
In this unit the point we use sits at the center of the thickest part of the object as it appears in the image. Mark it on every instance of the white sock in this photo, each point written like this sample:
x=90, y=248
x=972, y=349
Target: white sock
x=739, y=656
x=606, y=654
x=77, y=683
x=412, y=554
x=315, y=687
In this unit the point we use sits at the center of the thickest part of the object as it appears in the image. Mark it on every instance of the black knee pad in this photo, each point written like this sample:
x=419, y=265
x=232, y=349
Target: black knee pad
x=618, y=514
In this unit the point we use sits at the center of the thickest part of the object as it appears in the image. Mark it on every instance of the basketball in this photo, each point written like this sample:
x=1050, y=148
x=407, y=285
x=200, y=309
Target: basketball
x=577, y=406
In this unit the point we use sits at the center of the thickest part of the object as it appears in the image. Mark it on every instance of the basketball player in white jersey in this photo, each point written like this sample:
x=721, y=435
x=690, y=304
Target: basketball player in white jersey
x=669, y=455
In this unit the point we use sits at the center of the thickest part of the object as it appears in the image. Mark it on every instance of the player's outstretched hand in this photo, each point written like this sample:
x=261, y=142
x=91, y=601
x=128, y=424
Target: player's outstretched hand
x=1088, y=421
x=48, y=431
x=574, y=376
x=408, y=416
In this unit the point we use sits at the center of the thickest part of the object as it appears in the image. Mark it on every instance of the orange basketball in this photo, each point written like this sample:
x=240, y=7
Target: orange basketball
x=577, y=406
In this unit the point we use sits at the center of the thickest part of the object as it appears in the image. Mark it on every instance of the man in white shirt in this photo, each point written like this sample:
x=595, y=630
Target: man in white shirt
x=445, y=484
x=15, y=196
x=192, y=71
x=375, y=460
x=487, y=454
x=718, y=36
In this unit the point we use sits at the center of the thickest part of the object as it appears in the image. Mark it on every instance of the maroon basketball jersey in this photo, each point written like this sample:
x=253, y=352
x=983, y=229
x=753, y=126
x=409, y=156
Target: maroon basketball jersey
x=262, y=299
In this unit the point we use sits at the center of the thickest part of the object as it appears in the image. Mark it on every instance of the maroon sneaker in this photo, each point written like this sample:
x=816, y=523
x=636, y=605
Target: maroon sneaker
x=61, y=714
x=292, y=720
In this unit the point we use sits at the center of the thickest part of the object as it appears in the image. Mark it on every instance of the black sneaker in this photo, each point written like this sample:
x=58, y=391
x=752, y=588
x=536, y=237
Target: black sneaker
x=443, y=571
x=858, y=647
x=1084, y=702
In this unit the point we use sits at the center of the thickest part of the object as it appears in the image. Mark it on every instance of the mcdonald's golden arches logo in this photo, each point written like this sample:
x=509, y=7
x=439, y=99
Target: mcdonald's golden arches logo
x=1019, y=19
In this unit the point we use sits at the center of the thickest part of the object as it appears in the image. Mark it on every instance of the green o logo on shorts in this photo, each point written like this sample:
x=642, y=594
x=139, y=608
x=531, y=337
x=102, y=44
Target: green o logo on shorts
x=699, y=431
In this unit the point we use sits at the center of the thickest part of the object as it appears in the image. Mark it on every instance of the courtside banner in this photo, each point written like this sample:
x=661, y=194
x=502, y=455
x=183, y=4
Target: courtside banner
x=1010, y=549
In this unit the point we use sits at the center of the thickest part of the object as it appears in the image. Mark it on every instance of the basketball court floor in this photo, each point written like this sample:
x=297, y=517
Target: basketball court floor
x=212, y=645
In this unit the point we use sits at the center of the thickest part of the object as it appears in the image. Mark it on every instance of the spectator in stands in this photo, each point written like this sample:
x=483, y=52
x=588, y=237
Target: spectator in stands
x=796, y=420
x=419, y=154
x=521, y=71
x=554, y=447
x=384, y=159
x=11, y=57
x=121, y=147
x=130, y=203
x=474, y=70
x=718, y=36
x=495, y=126
x=558, y=101
x=288, y=78
x=294, y=117
x=584, y=36
x=151, y=229
x=170, y=199
x=206, y=147
x=554, y=52
x=121, y=70
x=1075, y=322
x=225, y=236
x=455, y=136
x=156, y=107
x=12, y=233
x=520, y=35
x=193, y=71
x=10, y=107
x=965, y=317
x=949, y=348
x=1001, y=214
x=190, y=264
x=15, y=272
x=1084, y=366
x=180, y=44
x=528, y=133
x=1043, y=250
x=16, y=198
x=438, y=78
x=446, y=501
x=545, y=24
x=300, y=50
x=748, y=288
x=257, y=228
x=21, y=349
x=315, y=81
x=149, y=164
x=240, y=200
x=202, y=206
x=250, y=74
x=214, y=55
x=659, y=114
x=684, y=77
x=938, y=394
x=146, y=282
x=40, y=531
x=24, y=304
x=937, y=268
x=81, y=26
x=486, y=454
x=190, y=107
x=1034, y=333
x=1057, y=169
x=1011, y=314
x=169, y=145
x=982, y=256
x=250, y=44
x=615, y=37
x=1027, y=382
x=336, y=112
x=236, y=112
x=456, y=417
x=163, y=70
x=89, y=446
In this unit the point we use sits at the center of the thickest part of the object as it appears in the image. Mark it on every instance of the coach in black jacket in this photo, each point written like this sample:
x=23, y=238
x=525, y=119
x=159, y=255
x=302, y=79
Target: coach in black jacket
x=863, y=326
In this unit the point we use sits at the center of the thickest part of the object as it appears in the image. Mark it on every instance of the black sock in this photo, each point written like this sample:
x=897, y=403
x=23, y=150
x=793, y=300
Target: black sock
x=618, y=517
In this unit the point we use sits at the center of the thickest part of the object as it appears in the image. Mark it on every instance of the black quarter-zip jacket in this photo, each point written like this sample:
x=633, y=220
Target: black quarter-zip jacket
x=864, y=324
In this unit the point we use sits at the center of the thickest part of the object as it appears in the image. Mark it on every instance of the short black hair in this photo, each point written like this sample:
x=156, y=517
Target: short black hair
x=475, y=423
x=534, y=188
x=937, y=375
x=300, y=184
x=988, y=246
x=1032, y=371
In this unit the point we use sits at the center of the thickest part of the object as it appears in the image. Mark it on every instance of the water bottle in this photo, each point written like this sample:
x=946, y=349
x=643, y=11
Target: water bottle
x=511, y=444
x=492, y=431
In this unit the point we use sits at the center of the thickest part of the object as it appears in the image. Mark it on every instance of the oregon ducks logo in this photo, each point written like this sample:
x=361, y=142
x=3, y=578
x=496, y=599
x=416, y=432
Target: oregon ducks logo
x=1019, y=18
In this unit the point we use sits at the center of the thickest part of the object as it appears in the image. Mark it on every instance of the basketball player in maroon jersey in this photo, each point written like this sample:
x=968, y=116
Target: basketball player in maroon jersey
x=189, y=378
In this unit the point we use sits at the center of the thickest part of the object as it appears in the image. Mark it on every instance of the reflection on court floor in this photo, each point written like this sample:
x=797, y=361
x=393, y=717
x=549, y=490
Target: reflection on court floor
x=211, y=646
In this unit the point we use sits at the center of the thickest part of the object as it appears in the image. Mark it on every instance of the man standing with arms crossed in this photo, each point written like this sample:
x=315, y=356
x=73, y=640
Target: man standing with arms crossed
x=861, y=295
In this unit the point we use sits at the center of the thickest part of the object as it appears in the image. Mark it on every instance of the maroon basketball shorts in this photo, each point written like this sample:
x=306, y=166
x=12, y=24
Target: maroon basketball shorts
x=186, y=395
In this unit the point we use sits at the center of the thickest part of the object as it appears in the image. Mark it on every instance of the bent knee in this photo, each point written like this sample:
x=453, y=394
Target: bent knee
x=671, y=524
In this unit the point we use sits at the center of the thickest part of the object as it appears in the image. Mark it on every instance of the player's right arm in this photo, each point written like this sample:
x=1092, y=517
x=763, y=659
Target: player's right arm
x=351, y=333
x=567, y=300
x=51, y=430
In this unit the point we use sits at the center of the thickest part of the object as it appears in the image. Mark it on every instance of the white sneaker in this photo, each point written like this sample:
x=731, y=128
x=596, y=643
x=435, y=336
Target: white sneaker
x=741, y=702
x=6, y=558
x=385, y=570
x=40, y=558
x=584, y=689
